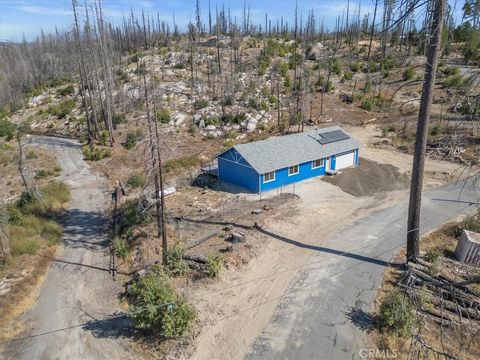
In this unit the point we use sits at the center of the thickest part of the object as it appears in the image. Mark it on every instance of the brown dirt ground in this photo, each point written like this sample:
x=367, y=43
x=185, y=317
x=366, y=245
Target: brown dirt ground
x=369, y=178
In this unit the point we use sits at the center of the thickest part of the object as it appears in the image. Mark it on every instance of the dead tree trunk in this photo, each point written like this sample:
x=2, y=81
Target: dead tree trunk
x=413, y=231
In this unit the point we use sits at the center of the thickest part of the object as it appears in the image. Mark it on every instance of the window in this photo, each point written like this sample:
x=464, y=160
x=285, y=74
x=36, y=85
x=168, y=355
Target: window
x=317, y=163
x=270, y=176
x=293, y=170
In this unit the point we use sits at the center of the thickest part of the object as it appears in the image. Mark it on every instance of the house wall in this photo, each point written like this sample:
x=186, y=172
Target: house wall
x=282, y=178
x=233, y=169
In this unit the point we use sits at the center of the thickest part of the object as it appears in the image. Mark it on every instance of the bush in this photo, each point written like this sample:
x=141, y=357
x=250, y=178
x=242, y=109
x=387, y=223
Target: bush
x=135, y=181
x=119, y=118
x=47, y=200
x=157, y=308
x=472, y=223
x=95, y=154
x=104, y=136
x=397, y=314
x=337, y=67
x=63, y=109
x=348, y=75
x=436, y=129
x=68, y=90
x=132, y=214
x=454, y=81
x=176, y=265
x=451, y=70
x=408, y=73
x=42, y=174
x=214, y=266
x=435, y=257
x=366, y=104
x=132, y=138
x=120, y=248
x=163, y=115
x=200, y=104
x=7, y=129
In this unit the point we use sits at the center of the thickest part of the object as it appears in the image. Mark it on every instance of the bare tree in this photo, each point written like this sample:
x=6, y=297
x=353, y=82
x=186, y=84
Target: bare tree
x=413, y=229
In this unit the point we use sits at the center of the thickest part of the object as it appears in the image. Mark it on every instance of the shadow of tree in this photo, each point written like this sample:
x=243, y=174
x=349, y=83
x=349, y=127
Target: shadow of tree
x=361, y=319
x=118, y=325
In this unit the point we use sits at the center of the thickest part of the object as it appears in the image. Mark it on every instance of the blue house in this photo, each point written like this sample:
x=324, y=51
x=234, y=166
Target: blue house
x=268, y=164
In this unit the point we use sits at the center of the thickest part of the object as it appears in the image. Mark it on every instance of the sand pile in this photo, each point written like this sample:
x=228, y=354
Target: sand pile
x=369, y=178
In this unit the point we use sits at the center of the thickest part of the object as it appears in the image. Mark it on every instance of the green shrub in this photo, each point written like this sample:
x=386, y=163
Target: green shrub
x=31, y=155
x=132, y=214
x=140, y=70
x=408, y=73
x=163, y=115
x=68, y=90
x=348, y=75
x=20, y=245
x=436, y=129
x=7, y=129
x=61, y=110
x=435, y=257
x=42, y=174
x=15, y=216
x=119, y=118
x=337, y=66
x=200, y=104
x=120, y=248
x=397, y=314
x=48, y=199
x=211, y=120
x=157, y=308
x=214, y=266
x=356, y=66
x=132, y=138
x=104, y=137
x=451, y=70
x=176, y=265
x=179, y=66
x=135, y=181
x=454, y=81
x=366, y=104
x=472, y=223
x=95, y=154
x=34, y=92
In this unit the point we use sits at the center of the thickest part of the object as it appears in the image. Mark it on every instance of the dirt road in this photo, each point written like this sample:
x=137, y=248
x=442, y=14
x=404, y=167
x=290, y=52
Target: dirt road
x=78, y=289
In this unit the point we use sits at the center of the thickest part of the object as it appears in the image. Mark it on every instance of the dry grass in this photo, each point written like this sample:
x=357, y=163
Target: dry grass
x=22, y=294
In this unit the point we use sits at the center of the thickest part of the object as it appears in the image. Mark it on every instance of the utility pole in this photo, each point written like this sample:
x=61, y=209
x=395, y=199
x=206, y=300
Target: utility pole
x=413, y=228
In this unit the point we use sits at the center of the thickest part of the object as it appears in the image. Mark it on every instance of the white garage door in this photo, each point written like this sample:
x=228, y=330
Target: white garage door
x=344, y=160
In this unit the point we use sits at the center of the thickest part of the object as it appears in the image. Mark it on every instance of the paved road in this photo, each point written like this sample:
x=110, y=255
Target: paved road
x=78, y=287
x=324, y=314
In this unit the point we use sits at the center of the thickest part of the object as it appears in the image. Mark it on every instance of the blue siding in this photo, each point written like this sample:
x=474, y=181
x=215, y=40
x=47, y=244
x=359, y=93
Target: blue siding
x=282, y=178
x=233, y=169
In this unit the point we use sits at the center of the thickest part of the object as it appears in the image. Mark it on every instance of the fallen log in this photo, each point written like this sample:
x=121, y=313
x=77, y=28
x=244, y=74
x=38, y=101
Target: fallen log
x=197, y=259
x=201, y=239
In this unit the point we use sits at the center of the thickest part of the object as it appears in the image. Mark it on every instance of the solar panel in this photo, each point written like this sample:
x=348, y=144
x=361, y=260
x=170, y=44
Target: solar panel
x=332, y=136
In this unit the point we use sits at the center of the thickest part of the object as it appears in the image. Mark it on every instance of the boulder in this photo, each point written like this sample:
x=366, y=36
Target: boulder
x=236, y=237
x=210, y=127
x=251, y=125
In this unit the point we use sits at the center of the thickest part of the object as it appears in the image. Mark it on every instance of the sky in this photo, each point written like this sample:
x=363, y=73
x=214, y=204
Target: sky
x=19, y=18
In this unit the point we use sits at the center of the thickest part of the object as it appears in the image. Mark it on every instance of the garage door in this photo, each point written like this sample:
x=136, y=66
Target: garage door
x=344, y=160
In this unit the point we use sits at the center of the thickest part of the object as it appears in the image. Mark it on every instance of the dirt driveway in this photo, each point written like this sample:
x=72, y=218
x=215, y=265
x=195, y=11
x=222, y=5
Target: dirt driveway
x=70, y=317
x=236, y=312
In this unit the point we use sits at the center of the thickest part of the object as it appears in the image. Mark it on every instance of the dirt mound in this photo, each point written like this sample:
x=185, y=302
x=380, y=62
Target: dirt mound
x=369, y=178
